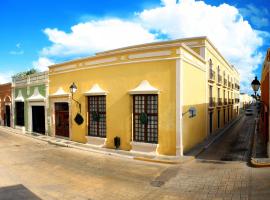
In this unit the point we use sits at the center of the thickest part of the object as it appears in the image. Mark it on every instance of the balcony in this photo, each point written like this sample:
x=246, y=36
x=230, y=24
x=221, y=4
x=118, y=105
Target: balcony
x=237, y=87
x=219, y=80
x=211, y=76
x=219, y=102
x=212, y=102
x=236, y=100
x=229, y=84
x=225, y=101
x=225, y=82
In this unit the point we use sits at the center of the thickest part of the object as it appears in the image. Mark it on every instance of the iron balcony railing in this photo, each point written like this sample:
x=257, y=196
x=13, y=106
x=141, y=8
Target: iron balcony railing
x=236, y=100
x=225, y=101
x=237, y=87
x=225, y=82
x=211, y=75
x=219, y=79
x=219, y=101
x=212, y=102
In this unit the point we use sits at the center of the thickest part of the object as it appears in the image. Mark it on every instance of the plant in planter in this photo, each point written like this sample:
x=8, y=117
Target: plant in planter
x=143, y=118
x=96, y=116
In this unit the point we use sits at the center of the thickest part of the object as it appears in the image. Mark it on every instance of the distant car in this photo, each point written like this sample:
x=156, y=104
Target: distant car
x=249, y=112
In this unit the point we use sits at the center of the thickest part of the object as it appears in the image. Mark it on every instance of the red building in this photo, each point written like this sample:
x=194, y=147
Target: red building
x=264, y=122
x=5, y=104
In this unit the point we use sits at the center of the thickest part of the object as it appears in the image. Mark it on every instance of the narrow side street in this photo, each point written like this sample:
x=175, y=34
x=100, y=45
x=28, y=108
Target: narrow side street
x=31, y=169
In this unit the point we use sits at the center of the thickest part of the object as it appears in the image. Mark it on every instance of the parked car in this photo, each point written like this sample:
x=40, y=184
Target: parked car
x=249, y=112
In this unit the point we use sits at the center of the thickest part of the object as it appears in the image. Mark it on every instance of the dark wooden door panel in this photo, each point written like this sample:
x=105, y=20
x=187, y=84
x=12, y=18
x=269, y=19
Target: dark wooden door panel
x=61, y=119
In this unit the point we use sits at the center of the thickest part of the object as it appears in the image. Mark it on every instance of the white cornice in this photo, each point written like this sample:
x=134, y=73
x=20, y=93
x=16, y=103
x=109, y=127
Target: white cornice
x=95, y=90
x=144, y=88
x=19, y=97
x=59, y=93
x=36, y=96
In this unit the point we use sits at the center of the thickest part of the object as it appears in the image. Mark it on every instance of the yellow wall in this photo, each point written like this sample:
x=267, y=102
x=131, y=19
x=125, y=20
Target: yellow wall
x=118, y=80
x=194, y=94
x=124, y=72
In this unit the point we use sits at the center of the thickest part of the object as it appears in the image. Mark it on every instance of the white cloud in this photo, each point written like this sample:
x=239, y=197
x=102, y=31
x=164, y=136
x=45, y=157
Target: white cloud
x=21, y=52
x=223, y=24
x=42, y=63
x=93, y=36
x=5, y=77
x=18, y=50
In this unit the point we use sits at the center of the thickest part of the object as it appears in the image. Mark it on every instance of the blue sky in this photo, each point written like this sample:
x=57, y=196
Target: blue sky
x=38, y=33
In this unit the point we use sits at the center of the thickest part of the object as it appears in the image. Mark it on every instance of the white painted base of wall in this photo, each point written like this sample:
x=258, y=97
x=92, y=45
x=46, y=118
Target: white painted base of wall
x=20, y=128
x=97, y=141
x=144, y=147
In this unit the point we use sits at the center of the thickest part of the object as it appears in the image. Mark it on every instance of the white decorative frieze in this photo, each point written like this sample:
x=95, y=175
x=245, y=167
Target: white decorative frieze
x=150, y=54
x=101, y=61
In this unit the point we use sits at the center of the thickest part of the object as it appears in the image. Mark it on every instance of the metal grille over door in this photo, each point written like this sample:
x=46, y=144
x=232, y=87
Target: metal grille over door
x=97, y=116
x=145, y=109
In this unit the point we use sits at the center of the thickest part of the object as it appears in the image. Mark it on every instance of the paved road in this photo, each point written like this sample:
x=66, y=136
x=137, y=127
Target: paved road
x=235, y=144
x=31, y=169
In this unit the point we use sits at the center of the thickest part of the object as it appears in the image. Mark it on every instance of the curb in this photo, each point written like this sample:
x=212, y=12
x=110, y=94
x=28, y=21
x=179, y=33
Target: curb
x=185, y=160
x=257, y=162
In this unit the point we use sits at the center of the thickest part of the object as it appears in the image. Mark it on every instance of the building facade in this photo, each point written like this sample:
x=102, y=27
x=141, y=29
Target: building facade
x=160, y=98
x=264, y=121
x=29, y=97
x=245, y=101
x=5, y=105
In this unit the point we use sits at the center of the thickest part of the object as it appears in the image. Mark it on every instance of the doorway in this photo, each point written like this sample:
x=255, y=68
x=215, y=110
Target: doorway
x=38, y=119
x=7, y=116
x=19, y=111
x=61, y=119
x=218, y=119
x=210, y=122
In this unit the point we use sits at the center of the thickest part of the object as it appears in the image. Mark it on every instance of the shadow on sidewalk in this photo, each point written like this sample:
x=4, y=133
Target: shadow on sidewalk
x=17, y=192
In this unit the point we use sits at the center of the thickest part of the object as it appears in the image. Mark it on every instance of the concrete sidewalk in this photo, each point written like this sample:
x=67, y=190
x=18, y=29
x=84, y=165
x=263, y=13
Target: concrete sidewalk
x=101, y=150
x=259, y=155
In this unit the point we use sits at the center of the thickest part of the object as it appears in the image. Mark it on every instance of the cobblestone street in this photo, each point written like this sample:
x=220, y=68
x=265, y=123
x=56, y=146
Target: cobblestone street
x=31, y=169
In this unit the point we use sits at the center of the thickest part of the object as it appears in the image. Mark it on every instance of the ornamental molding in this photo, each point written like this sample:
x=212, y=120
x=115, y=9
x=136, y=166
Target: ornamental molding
x=95, y=90
x=36, y=96
x=144, y=88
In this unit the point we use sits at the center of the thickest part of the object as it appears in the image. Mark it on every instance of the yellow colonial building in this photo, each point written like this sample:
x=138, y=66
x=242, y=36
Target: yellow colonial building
x=158, y=98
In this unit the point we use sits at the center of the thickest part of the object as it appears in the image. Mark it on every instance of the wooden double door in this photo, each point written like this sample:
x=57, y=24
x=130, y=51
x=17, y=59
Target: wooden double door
x=61, y=119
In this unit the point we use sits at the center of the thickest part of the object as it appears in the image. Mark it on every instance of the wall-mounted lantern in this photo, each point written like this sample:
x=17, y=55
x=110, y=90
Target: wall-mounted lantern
x=192, y=112
x=78, y=118
x=73, y=89
x=255, y=84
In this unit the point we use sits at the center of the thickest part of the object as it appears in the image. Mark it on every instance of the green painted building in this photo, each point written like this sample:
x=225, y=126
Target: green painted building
x=30, y=105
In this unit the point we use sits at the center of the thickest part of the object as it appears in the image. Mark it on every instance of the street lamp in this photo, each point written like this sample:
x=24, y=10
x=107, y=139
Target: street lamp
x=255, y=84
x=73, y=89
